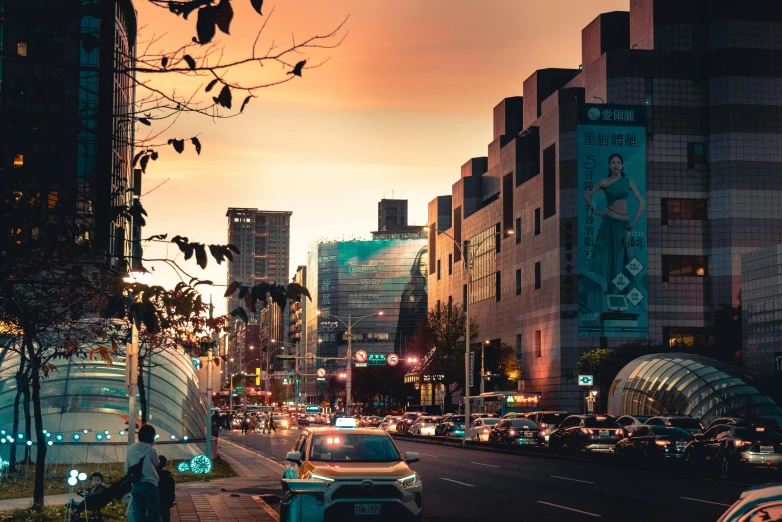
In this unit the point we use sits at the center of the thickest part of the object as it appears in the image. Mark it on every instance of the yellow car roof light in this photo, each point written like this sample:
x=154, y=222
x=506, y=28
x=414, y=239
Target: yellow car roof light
x=346, y=423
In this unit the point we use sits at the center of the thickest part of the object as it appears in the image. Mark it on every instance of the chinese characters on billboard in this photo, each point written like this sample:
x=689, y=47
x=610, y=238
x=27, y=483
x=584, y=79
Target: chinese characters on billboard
x=612, y=235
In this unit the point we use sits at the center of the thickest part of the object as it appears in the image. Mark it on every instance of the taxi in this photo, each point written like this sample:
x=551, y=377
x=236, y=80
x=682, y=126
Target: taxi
x=365, y=474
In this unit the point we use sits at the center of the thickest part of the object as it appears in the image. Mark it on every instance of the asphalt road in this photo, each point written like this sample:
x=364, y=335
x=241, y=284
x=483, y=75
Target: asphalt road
x=464, y=485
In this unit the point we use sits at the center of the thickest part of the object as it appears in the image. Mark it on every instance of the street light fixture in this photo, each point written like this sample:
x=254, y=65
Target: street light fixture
x=136, y=276
x=468, y=262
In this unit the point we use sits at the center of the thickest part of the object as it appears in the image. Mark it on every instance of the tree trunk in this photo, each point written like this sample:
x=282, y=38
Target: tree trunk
x=142, y=392
x=40, y=459
x=20, y=385
x=27, y=417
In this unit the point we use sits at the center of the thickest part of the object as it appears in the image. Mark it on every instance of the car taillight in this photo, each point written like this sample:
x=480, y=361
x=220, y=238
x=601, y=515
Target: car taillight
x=409, y=421
x=486, y=430
x=662, y=442
x=670, y=425
x=588, y=431
x=619, y=432
x=511, y=432
x=543, y=425
x=739, y=443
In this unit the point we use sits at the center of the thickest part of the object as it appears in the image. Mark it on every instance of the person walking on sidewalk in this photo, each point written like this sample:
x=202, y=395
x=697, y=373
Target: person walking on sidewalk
x=166, y=490
x=146, y=501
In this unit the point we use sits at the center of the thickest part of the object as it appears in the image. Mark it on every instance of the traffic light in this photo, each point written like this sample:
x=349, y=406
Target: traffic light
x=343, y=375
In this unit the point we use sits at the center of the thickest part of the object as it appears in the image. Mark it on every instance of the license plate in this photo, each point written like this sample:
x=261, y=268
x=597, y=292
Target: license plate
x=680, y=444
x=767, y=449
x=604, y=433
x=367, y=509
x=529, y=434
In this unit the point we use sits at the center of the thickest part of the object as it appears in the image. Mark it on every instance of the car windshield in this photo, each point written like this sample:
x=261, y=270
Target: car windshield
x=676, y=432
x=490, y=421
x=553, y=418
x=522, y=424
x=353, y=447
x=600, y=422
x=760, y=434
x=691, y=424
x=457, y=419
x=642, y=418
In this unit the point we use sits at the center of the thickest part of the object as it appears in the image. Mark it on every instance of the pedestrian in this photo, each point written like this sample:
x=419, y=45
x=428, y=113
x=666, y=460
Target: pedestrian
x=166, y=490
x=146, y=501
x=264, y=423
x=272, y=426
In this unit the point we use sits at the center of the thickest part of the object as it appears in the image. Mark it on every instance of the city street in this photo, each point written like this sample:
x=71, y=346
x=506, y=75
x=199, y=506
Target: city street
x=463, y=485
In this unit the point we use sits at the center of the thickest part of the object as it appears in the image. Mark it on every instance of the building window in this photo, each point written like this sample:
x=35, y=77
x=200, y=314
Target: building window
x=438, y=269
x=518, y=346
x=688, y=266
x=696, y=155
x=550, y=182
x=450, y=264
x=692, y=209
x=52, y=199
x=497, y=285
x=450, y=301
x=537, y=221
x=19, y=161
x=518, y=281
x=538, y=343
x=537, y=275
x=518, y=230
x=698, y=337
x=497, y=238
x=484, y=263
x=21, y=48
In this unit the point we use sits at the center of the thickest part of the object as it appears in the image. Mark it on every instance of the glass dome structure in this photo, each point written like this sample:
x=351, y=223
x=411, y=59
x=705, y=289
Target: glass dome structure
x=688, y=384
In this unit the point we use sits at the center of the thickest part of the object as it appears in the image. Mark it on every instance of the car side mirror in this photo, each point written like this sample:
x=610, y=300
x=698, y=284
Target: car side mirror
x=411, y=456
x=294, y=456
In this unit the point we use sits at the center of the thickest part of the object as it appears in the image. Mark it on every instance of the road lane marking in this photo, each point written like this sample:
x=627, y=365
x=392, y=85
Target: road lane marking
x=569, y=509
x=574, y=480
x=428, y=455
x=457, y=482
x=482, y=464
x=706, y=501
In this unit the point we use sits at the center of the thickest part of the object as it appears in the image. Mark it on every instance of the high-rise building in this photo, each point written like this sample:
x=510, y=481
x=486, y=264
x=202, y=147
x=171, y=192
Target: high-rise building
x=66, y=106
x=632, y=185
x=392, y=214
x=263, y=238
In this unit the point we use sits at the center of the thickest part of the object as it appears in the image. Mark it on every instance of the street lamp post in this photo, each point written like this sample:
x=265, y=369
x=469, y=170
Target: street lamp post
x=349, y=357
x=131, y=360
x=469, y=264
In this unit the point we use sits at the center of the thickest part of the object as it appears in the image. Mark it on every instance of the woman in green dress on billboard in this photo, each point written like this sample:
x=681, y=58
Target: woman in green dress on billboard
x=611, y=250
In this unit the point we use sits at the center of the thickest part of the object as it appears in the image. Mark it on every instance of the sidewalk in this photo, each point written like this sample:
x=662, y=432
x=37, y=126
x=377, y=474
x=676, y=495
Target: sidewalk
x=227, y=499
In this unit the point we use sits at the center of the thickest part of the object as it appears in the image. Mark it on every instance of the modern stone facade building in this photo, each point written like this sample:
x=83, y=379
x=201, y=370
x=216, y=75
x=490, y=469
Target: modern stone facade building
x=706, y=78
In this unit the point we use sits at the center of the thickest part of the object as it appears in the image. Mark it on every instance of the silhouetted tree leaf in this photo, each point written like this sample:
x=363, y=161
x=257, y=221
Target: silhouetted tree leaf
x=185, y=8
x=164, y=62
x=257, y=5
x=296, y=291
x=245, y=102
x=232, y=248
x=153, y=156
x=190, y=62
x=137, y=157
x=211, y=84
x=241, y=313
x=196, y=144
x=243, y=291
x=89, y=42
x=179, y=145
x=200, y=252
x=144, y=121
x=225, y=14
x=232, y=288
x=204, y=282
x=217, y=253
x=225, y=97
x=297, y=68
x=205, y=27
x=144, y=161
x=249, y=302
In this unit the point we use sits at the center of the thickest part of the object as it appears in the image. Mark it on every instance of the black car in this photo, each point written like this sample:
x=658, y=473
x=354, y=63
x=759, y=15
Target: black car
x=732, y=449
x=451, y=426
x=516, y=431
x=655, y=442
x=406, y=421
x=587, y=433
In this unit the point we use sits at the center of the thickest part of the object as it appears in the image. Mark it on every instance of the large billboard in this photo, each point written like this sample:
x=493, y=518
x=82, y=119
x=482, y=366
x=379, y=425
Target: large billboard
x=612, y=236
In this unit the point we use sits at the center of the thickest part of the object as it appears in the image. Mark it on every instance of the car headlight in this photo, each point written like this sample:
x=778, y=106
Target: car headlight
x=325, y=480
x=408, y=482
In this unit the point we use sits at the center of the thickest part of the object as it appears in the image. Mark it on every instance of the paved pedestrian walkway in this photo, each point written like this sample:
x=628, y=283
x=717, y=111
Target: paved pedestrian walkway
x=236, y=499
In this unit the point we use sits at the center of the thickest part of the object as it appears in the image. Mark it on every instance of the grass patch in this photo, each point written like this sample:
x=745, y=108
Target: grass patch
x=113, y=512
x=15, y=485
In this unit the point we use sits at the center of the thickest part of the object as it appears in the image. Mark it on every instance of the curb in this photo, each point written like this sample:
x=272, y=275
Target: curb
x=266, y=507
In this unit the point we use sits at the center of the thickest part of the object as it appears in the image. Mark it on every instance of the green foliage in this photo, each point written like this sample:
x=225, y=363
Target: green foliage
x=113, y=512
x=510, y=371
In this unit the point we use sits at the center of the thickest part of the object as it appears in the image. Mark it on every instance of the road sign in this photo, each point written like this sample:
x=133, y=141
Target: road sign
x=392, y=359
x=311, y=356
x=286, y=357
x=239, y=389
x=321, y=378
x=586, y=380
x=376, y=358
x=321, y=372
x=359, y=365
x=361, y=356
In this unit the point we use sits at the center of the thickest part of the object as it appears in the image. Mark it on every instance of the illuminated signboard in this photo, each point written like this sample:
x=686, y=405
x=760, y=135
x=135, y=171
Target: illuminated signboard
x=522, y=401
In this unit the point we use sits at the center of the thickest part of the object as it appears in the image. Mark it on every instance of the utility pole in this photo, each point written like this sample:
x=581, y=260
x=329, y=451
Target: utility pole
x=483, y=370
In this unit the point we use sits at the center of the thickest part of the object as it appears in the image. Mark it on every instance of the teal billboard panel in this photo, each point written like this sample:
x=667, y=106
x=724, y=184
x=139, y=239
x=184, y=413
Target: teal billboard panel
x=612, y=236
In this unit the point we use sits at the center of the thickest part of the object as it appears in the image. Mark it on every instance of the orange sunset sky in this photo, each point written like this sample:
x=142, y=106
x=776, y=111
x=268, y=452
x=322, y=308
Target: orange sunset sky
x=398, y=108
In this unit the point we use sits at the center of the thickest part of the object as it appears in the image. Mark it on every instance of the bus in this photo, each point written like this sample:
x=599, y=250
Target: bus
x=504, y=402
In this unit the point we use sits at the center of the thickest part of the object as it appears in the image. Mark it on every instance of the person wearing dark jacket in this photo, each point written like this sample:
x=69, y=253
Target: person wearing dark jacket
x=166, y=490
x=145, y=496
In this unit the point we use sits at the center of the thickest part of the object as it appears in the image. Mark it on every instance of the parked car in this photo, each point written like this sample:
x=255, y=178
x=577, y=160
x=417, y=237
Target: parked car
x=733, y=449
x=736, y=421
x=659, y=442
x=370, y=421
x=480, y=428
x=451, y=426
x=406, y=421
x=690, y=424
x=587, y=433
x=425, y=425
x=516, y=431
x=631, y=422
x=389, y=423
x=756, y=503
x=547, y=421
